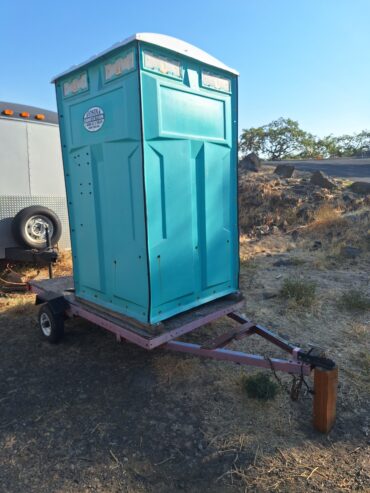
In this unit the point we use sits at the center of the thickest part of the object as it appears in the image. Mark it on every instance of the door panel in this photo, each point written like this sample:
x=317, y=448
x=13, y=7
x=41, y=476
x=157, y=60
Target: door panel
x=189, y=172
x=216, y=229
x=169, y=215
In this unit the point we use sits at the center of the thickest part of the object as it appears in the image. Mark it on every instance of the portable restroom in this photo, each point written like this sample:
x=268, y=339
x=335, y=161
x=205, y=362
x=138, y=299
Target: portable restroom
x=149, y=142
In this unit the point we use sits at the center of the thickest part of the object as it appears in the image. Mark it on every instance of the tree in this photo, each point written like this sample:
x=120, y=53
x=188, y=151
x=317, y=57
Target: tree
x=283, y=138
x=353, y=145
x=344, y=145
x=327, y=146
x=314, y=147
x=277, y=140
x=311, y=147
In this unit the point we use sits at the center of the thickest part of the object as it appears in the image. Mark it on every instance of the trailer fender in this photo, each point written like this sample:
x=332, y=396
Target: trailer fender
x=57, y=304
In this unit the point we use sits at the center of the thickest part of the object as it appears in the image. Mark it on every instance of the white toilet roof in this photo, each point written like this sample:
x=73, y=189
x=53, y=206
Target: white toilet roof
x=164, y=41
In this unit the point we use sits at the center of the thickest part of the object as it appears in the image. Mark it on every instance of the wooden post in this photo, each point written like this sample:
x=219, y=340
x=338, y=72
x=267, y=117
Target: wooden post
x=325, y=398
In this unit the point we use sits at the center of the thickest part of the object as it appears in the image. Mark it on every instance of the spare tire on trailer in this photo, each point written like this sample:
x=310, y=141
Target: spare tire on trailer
x=29, y=226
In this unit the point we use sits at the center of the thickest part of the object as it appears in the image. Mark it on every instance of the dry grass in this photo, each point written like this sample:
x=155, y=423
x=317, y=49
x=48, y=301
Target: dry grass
x=335, y=233
x=63, y=267
x=17, y=305
x=327, y=215
x=328, y=223
x=172, y=369
x=28, y=272
x=263, y=203
x=359, y=331
x=271, y=245
x=266, y=201
x=301, y=291
x=21, y=303
x=313, y=468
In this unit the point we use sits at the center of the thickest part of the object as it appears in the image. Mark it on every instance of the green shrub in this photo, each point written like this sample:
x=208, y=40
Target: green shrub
x=260, y=386
x=354, y=299
x=303, y=292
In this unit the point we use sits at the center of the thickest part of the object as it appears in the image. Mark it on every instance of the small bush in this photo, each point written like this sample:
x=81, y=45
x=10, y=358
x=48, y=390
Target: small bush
x=303, y=292
x=298, y=261
x=365, y=360
x=355, y=299
x=260, y=386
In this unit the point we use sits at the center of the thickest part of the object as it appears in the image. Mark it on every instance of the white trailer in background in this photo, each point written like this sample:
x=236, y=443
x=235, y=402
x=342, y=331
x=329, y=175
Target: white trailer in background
x=32, y=191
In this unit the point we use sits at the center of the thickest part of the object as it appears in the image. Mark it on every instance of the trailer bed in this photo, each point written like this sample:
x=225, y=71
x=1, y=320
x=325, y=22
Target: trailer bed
x=146, y=335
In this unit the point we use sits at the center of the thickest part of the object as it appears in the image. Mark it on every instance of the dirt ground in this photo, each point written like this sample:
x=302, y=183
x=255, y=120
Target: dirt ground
x=91, y=415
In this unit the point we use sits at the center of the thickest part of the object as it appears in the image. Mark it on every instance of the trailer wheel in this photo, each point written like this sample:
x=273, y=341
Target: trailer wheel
x=29, y=226
x=51, y=324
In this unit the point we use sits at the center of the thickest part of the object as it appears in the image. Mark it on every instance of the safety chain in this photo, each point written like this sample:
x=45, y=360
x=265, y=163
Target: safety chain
x=296, y=386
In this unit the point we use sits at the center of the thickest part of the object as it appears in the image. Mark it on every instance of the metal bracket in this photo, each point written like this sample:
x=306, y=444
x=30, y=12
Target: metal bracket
x=233, y=335
x=316, y=361
x=34, y=256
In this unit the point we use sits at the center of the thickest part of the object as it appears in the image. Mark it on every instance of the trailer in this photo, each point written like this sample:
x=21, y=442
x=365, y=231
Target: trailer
x=32, y=192
x=59, y=302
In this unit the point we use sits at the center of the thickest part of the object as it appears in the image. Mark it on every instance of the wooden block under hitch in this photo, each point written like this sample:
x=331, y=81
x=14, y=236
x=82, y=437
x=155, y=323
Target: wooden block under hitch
x=325, y=399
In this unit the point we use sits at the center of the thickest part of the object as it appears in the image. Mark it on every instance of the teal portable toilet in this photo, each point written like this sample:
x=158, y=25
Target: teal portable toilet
x=149, y=140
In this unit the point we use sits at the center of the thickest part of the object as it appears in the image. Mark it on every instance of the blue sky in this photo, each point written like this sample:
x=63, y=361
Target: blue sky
x=303, y=59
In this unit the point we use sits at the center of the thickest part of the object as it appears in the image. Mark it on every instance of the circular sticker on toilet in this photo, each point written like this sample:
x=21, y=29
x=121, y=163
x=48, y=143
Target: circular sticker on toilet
x=94, y=119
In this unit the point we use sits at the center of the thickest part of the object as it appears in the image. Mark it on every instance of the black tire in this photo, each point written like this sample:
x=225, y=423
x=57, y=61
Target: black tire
x=29, y=226
x=51, y=325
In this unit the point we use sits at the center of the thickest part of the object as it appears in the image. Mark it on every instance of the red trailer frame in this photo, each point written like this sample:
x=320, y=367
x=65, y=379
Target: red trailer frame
x=58, y=295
